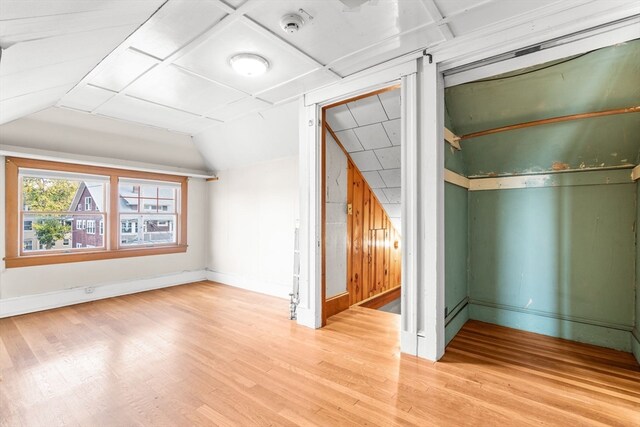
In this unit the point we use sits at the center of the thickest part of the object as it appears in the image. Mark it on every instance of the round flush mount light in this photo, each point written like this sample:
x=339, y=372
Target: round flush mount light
x=249, y=64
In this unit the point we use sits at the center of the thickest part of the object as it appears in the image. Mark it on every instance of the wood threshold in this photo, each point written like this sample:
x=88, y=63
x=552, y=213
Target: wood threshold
x=381, y=299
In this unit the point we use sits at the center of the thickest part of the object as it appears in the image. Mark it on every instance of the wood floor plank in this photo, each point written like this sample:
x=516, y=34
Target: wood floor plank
x=208, y=354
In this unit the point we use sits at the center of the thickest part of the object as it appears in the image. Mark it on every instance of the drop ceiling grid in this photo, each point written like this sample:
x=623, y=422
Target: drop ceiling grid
x=378, y=157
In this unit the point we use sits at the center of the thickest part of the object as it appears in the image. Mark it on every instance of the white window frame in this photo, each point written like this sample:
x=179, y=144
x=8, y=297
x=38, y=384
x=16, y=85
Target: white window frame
x=87, y=203
x=101, y=227
x=91, y=226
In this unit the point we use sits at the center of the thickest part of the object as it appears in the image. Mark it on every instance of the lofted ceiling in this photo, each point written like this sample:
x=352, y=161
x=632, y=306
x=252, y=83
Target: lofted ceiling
x=369, y=130
x=165, y=63
x=604, y=79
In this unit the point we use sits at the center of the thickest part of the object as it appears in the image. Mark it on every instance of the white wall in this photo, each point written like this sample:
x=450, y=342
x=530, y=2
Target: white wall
x=336, y=219
x=252, y=216
x=258, y=137
x=65, y=131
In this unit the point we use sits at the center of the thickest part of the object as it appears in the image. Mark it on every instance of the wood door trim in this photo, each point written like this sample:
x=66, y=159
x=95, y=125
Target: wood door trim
x=364, y=95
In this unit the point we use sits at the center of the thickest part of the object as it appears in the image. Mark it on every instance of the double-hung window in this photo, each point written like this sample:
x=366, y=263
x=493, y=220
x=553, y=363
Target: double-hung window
x=59, y=212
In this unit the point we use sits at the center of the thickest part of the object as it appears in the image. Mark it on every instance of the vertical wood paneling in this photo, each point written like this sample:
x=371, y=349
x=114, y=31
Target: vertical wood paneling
x=366, y=244
x=349, y=230
x=357, y=238
x=373, y=262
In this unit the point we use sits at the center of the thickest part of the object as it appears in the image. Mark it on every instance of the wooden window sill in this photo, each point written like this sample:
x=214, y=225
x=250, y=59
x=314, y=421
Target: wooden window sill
x=33, y=260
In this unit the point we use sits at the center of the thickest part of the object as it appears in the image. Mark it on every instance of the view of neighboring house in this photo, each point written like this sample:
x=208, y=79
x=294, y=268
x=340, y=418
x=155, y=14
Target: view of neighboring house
x=138, y=224
x=88, y=228
x=31, y=242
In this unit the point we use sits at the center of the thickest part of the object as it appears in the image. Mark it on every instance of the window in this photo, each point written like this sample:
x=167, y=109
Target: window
x=65, y=209
x=151, y=225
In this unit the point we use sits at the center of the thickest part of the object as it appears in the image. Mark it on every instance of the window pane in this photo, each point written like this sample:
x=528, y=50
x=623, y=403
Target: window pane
x=61, y=195
x=147, y=229
x=128, y=204
x=61, y=232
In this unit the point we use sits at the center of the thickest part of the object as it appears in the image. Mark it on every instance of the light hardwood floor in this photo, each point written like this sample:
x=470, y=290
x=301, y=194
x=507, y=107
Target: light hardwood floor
x=206, y=354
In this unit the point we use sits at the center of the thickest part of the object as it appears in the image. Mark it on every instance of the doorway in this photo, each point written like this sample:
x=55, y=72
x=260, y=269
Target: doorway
x=362, y=203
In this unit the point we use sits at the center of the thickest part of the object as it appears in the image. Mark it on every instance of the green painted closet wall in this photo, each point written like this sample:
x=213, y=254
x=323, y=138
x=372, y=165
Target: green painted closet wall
x=556, y=260
x=635, y=337
x=456, y=252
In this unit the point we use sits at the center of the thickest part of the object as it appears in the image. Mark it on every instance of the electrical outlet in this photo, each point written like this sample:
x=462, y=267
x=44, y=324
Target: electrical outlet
x=89, y=290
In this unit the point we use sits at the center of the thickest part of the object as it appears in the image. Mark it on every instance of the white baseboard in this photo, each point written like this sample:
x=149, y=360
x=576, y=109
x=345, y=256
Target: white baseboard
x=260, y=286
x=46, y=301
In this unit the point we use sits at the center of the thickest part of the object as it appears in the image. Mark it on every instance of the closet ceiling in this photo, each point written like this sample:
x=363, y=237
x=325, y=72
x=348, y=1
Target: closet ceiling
x=600, y=80
x=369, y=130
x=166, y=63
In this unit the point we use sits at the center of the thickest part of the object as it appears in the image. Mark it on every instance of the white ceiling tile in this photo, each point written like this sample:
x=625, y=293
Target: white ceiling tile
x=389, y=157
x=14, y=9
x=373, y=179
x=86, y=98
x=196, y=126
x=391, y=177
x=392, y=127
x=393, y=194
x=340, y=118
x=27, y=29
x=391, y=103
x=235, y=3
x=349, y=140
x=372, y=136
x=387, y=50
x=238, y=108
x=118, y=71
x=366, y=161
x=54, y=50
x=43, y=78
x=24, y=105
x=394, y=210
x=299, y=86
x=174, y=25
x=180, y=89
x=334, y=32
x=211, y=59
x=367, y=111
x=492, y=12
x=379, y=192
x=136, y=110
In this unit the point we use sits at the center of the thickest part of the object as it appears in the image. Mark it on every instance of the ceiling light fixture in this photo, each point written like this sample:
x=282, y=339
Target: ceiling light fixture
x=249, y=64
